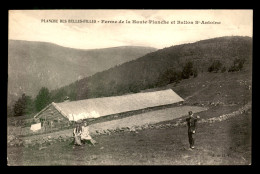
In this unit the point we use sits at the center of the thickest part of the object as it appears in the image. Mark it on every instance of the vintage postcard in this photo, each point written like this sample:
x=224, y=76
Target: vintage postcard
x=129, y=87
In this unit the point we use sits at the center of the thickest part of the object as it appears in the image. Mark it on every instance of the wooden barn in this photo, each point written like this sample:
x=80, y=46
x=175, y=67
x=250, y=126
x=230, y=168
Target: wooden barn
x=58, y=115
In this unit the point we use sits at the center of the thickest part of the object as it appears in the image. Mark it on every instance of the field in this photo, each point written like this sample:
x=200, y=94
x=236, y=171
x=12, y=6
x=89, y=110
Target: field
x=131, y=123
x=225, y=142
x=220, y=143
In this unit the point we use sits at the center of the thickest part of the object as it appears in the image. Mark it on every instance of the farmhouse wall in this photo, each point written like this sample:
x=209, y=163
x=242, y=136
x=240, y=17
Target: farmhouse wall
x=51, y=118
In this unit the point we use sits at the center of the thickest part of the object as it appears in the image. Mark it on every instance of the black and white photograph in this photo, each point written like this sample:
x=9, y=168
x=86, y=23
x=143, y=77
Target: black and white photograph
x=124, y=87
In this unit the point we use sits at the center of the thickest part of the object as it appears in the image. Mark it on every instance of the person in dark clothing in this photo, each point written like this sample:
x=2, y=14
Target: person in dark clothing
x=192, y=126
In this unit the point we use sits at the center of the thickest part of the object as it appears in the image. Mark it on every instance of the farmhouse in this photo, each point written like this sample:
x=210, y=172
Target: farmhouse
x=58, y=114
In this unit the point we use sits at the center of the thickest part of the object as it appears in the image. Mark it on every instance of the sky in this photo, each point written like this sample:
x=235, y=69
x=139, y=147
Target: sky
x=29, y=25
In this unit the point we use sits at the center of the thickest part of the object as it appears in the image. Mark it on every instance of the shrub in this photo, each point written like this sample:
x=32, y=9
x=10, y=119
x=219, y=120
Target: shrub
x=187, y=70
x=238, y=65
x=169, y=76
x=223, y=69
x=215, y=66
x=195, y=73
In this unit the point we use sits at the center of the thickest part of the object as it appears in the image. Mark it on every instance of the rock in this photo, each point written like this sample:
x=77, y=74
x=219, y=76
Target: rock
x=122, y=129
x=127, y=129
x=183, y=124
x=157, y=127
x=28, y=141
x=109, y=130
x=116, y=130
x=168, y=125
x=42, y=148
x=145, y=126
x=176, y=124
x=10, y=137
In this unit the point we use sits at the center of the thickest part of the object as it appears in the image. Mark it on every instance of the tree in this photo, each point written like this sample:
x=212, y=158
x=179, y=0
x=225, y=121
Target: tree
x=238, y=64
x=133, y=87
x=29, y=105
x=10, y=111
x=42, y=99
x=169, y=76
x=24, y=105
x=223, y=69
x=58, y=96
x=195, y=73
x=187, y=70
x=215, y=66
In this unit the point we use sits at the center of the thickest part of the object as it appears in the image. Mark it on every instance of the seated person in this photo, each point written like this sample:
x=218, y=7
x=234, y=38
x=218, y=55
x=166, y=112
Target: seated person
x=77, y=135
x=85, y=137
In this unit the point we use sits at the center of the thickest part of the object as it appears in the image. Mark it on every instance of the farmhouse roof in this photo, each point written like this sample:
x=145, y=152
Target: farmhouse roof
x=98, y=107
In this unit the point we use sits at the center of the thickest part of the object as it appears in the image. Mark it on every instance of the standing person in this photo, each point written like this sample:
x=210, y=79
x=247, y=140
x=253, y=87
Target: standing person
x=44, y=125
x=192, y=126
x=77, y=134
x=85, y=137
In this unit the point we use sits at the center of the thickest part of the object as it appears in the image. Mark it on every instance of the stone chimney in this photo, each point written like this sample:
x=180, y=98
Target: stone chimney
x=66, y=99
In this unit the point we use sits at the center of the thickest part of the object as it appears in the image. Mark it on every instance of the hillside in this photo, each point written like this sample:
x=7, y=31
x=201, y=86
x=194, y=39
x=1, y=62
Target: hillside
x=152, y=141
x=32, y=65
x=144, y=72
x=159, y=137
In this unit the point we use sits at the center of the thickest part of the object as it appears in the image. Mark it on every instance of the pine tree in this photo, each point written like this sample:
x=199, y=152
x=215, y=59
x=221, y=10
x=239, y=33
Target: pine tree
x=24, y=105
x=187, y=70
x=42, y=99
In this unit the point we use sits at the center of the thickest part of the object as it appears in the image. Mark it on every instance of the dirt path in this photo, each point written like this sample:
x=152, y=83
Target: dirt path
x=147, y=118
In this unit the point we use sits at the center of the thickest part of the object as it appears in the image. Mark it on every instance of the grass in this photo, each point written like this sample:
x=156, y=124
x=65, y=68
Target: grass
x=224, y=143
x=229, y=88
